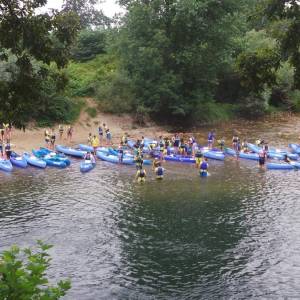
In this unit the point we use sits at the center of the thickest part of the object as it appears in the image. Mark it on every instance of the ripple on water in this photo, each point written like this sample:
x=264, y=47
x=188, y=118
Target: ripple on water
x=231, y=235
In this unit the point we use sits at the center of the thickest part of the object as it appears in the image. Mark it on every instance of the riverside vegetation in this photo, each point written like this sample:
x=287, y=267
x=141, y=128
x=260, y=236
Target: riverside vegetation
x=177, y=62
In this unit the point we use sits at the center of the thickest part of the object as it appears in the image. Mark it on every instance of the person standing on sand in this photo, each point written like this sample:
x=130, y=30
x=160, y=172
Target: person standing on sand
x=61, y=131
x=47, y=137
x=70, y=133
x=52, y=139
x=100, y=132
x=108, y=137
x=2, y=132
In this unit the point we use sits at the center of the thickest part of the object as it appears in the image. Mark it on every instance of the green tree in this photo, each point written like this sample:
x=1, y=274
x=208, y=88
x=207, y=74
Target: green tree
x=173, y=50
x=23, y=275
x=88, y=14
x=31, y=40
x=288, y=13
x=89, y=44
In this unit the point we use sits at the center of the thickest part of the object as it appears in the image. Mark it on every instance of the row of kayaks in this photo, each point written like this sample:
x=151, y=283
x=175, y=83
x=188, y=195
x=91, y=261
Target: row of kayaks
x=43, y=157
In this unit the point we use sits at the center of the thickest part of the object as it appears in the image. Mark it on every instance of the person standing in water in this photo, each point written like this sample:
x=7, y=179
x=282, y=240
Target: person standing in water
x=141, y=175
x=203, y=168
x=159, y=172
x=262, y=156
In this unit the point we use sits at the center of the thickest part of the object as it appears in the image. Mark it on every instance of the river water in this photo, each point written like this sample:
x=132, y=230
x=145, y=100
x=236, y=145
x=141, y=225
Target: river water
x=233, y=235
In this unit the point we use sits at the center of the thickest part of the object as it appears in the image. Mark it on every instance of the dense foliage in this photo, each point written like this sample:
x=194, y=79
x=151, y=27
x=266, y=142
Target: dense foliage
x=23, y=275
x=183, y=61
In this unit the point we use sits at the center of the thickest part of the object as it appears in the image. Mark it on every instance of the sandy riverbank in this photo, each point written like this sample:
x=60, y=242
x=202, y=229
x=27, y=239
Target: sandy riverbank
x=278, y=131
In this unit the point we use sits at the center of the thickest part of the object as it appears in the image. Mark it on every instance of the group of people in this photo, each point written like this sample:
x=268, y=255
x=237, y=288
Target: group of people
x=5, y=138
x=50, y=135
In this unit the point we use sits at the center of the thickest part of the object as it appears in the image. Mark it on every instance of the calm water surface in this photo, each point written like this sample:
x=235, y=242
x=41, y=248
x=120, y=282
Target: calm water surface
x=235, y=234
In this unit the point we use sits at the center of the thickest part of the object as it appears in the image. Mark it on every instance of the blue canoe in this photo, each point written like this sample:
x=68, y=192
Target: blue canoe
x=179, y=158
x=115, y=159
x=71, y=151
x=51, y=158
x=273, y=153
x=34, y=161
x=283, y=166
x=86, y=166
x=295, y=148
x=5, y=165
x=18, y=160
x=217, y=155
x=244, y=155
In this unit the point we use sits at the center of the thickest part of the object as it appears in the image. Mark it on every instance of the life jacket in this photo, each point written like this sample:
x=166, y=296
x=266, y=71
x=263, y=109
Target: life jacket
x=204, y=166
x=199, y=154
x=88, y=157
x=159, y=171
x=142, y=173
x=7, y=147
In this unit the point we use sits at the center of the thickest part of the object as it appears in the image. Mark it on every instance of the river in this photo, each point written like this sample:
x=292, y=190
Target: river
x=234, y=234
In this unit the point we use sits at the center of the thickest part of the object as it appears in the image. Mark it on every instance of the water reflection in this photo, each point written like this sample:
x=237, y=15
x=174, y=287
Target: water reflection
x=231, y=235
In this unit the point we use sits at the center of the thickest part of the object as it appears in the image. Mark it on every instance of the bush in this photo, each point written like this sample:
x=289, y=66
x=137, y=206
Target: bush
x=89, y=44
x=23, y=275
x=91, y=111
x=252, y=106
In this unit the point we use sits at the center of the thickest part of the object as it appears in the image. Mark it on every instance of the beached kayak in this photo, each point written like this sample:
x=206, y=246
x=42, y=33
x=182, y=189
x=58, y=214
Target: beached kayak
x=86, y=166
x=244, y=155
x=179, y=158
x=71, y=151
x=18, y=160
x=5, y=165
x=295, y=148
x=52, y=159
x=34, y=161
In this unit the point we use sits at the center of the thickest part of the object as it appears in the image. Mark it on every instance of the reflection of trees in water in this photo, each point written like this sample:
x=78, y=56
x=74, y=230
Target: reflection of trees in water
x=21, y=195
x=176, y=241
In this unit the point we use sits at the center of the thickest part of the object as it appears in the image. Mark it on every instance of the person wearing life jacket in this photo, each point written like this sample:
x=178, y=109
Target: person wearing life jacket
x=2, y=131
x=161, y=145
x=8, y=149
x=121, y=153
x=235, y=140
x=221, y=143
x=47, y=138
x=159, y=171
x=139, y=162
x=210, y=139
x=90, y=139
x=245, y=148
x=203, y=167
x=141, y=175
x=156, y=163
x=90, y=156
x=198, y=157
x=176, y=141
x=262, y=155
x=95, y=143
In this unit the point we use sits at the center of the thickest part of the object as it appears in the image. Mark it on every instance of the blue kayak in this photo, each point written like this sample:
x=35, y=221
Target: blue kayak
x=244, y=155
x=86, y=166
x=71, y=151
x=217, y=155
x=18, y=160
x=115, y=159
x=34, y=161
x=280, y=166
x=179, y=158
x=5, y=165
x=51, y=158
x=295, y=148
x=274, y=153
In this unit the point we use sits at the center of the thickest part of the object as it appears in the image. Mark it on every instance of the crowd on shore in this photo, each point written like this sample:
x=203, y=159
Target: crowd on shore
x=177, y=144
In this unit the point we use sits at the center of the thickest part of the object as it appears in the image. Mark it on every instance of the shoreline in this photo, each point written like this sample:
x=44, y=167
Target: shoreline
x=276, y=130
